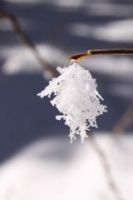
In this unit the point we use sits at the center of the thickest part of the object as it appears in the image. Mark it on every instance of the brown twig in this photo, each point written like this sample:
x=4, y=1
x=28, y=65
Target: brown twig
x=27, y=42
x=111, y=183
x=81, y=56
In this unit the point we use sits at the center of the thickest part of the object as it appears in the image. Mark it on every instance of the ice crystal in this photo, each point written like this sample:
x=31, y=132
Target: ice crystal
x=77, y=98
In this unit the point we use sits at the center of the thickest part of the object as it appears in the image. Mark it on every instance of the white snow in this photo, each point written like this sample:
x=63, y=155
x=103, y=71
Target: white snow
x=34, y=174
x=76, y=98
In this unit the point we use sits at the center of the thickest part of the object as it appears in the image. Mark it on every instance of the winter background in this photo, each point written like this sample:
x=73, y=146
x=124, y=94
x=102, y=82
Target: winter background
x=37, y=160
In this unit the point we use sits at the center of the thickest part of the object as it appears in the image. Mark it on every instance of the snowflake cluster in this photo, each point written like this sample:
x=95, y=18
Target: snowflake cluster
x=77, y=98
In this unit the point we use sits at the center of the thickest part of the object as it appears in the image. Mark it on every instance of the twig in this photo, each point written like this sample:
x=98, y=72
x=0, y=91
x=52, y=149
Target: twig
x=81, y=56
x=111, y=183
x=124, y=121
x=27, y=42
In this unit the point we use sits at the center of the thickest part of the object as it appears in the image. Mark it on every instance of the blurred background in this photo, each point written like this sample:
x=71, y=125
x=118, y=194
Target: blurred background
x=37, y=160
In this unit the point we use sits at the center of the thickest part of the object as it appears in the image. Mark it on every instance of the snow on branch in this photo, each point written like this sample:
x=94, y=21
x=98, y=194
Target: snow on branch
x=77, y=98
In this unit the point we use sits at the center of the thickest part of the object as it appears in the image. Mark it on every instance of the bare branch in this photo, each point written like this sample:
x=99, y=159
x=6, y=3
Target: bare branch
x=81, y=56
x=27, y=42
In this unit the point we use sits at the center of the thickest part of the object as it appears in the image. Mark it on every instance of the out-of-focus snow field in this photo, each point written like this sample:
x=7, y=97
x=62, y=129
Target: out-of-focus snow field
x=53, y=168
x=37, y=160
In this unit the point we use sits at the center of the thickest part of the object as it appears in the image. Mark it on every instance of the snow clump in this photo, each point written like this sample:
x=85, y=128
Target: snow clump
x=76, y=97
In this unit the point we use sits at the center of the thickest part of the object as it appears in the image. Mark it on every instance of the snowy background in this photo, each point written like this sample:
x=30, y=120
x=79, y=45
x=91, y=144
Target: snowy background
x=37, y=160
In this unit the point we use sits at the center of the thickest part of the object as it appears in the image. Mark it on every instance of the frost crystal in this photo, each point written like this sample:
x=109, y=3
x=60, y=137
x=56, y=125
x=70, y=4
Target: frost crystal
x=76, y=98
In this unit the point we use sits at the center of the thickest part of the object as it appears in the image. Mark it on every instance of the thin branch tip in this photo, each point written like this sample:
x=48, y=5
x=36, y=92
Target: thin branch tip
x=92, y=52
x=78, y=57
